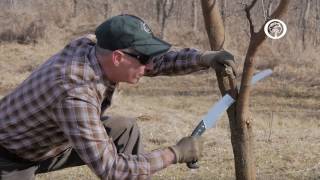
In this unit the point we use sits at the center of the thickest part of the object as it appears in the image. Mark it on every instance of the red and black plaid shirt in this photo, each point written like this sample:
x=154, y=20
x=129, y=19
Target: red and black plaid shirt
x=60, y=104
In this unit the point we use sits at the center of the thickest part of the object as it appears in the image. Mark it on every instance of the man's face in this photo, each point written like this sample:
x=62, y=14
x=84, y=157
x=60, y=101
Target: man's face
x=130, y=69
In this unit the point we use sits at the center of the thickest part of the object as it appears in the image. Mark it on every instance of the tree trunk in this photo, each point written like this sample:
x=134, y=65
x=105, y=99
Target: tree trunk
x=238, y=113
x=241, y=137
x=226, y=82
x=243, y=141
x=303, y=21
x=213, y=23
x=245, y=168
x=317, y=21
x=194, y=15
x=223, y=10
x=158, y=7
x=166, y=12
x=179, y=11
x=74, y=13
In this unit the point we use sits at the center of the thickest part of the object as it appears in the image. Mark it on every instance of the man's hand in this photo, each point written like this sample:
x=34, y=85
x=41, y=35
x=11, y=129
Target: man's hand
x=188, y=149
x=218, y=60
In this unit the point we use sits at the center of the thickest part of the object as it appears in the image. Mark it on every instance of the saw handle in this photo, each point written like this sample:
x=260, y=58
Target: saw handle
x=198, y=131
x=193, y=165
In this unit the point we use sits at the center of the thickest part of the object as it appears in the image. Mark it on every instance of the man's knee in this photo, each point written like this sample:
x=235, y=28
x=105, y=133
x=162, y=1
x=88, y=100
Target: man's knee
x=125, y=133
x=125, y=122
x=119, y=123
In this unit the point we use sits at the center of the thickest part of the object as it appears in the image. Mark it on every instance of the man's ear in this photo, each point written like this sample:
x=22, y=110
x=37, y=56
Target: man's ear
x=116, y=57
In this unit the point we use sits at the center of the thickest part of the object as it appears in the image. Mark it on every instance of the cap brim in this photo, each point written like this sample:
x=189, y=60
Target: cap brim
x=152, y=46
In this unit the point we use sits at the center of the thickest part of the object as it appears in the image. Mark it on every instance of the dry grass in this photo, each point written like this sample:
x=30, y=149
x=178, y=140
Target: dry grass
x=285, y=108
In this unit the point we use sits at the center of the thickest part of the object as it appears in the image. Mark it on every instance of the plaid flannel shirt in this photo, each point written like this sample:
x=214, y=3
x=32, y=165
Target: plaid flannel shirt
x=60, y=104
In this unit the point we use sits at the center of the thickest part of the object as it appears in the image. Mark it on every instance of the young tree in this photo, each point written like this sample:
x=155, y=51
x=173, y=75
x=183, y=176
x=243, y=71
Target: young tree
x=194, y=12
x=303, y=21
x=239, y=115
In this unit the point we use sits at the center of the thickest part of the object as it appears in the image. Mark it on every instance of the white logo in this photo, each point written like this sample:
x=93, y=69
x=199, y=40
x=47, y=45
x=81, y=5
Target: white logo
x=275, y=29
x=146, y=28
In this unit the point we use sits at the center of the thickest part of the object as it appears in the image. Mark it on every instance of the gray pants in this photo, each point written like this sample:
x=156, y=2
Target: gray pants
x=124, y=132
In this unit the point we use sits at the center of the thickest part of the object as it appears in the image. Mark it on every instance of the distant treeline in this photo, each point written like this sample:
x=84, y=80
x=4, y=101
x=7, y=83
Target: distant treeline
x=178, y=21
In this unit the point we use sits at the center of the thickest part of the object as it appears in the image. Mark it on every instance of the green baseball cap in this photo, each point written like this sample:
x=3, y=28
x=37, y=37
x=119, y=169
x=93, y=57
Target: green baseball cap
x=129, y=32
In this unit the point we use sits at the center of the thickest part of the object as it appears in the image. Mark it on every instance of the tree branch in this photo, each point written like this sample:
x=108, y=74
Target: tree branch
x=248, y=15
x=252, y=4
x=281, y=9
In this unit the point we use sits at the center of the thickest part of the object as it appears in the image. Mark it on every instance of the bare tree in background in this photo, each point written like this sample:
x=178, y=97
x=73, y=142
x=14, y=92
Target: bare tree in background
x=316, y=40
x=179, y=10
x=10, y=35
x=223, y=9
x=303, y=20
x=194, y=15
x=107, y=6
x=269, y=7
x=164, y=10
x=74, y=13
x=239, y=115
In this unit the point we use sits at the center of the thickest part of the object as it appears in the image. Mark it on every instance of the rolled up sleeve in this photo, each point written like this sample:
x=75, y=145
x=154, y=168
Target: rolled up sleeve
x=180, y=62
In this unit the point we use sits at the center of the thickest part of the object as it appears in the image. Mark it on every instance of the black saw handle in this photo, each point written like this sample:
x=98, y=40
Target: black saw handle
x=198, y=131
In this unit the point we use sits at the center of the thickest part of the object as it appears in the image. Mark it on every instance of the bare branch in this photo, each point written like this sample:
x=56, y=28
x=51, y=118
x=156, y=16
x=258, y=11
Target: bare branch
x=169, y=10
x=281, y=9
x=254, y=44
x=242, y=3
x=213, y=23
x=248, y=15
x=252, y=4
x=269, y=7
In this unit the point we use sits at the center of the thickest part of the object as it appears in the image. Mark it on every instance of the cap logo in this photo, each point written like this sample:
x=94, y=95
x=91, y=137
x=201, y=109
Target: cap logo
x=146, y=28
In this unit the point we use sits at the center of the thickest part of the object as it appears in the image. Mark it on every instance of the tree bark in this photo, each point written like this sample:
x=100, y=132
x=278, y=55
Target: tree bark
x=213, y=23
x=238, y=114
x=226, y=80
x=74, y=13
x=245, y=168
x=194, y=15
x=223, y=10
x=303, y=21
x=317, y=21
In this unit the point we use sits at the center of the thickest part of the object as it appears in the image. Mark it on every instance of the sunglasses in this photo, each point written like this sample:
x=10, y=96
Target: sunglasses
x=141, y=58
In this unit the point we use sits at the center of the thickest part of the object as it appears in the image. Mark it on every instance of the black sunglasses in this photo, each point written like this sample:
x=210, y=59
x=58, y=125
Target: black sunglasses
x=141, y=58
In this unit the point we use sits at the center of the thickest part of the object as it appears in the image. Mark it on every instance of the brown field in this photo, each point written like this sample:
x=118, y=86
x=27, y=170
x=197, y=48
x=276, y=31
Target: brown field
x=285, y=109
